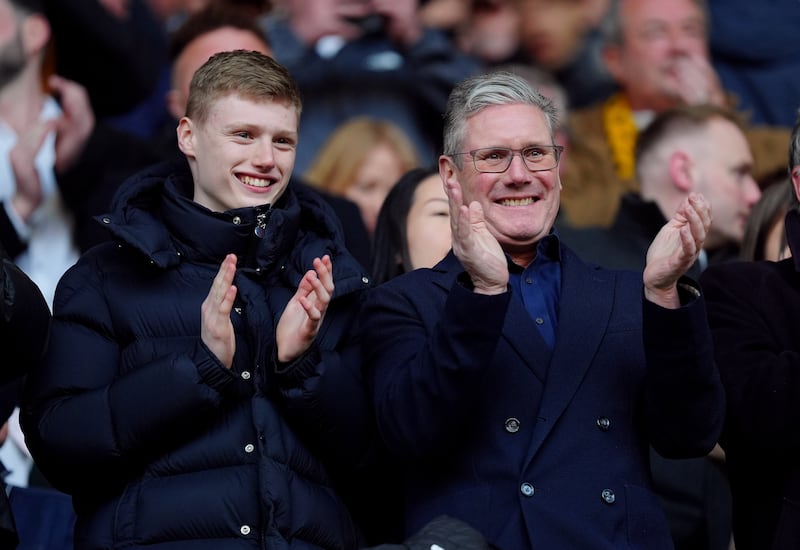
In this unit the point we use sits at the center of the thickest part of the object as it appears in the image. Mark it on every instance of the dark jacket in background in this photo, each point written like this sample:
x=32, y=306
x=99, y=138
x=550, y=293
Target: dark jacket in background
x=754, y=312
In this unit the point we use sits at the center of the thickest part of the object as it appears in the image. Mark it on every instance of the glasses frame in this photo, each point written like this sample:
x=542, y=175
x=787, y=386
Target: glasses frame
x=557, y=150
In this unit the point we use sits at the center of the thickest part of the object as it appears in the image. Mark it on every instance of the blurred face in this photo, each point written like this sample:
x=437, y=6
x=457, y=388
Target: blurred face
x=552, y=32
x=774, y=247
x=725, y=178
x=197, y=52
x=519, y=205
x=428, y=224
x=12, y=50
x=658, y=38
x=243, y=154
x=376, y=176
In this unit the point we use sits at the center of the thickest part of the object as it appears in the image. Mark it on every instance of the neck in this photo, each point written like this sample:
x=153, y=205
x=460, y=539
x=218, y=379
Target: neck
x=21, y=101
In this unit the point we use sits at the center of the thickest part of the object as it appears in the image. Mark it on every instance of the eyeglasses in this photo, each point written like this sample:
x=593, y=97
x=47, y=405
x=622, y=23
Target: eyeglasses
x=494, y=160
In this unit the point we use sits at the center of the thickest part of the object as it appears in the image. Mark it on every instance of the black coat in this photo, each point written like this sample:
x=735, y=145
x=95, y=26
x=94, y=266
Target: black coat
x=158, y=443
x=754, y=312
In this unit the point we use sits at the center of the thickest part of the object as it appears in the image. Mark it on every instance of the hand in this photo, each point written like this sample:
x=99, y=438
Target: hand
x=28, y=194
x=300, y=321
x=675, y=249
x=697, y=82
x=473, y=244
x=76, y=123
x=216, y=329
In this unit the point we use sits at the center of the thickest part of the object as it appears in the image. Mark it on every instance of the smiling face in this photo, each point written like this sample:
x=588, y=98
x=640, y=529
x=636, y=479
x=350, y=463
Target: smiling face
x=242, y=154
x=519, y=206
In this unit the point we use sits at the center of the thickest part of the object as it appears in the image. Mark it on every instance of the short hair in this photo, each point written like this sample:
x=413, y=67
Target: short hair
x=478, y=92
x=390, y=255
x=216, y=15
x=794, y=145
x=248, y=74
x=680, y=121
x=611, y=23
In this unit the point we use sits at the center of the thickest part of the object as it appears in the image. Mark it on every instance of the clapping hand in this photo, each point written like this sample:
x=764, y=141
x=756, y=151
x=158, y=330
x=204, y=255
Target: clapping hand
x=216, y=329
x=300, y=321
x=674, y=250
x=474, y=245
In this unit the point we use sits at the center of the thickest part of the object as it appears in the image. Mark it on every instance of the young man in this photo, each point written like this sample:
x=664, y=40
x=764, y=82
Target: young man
x=198, y=389
x=522, y=387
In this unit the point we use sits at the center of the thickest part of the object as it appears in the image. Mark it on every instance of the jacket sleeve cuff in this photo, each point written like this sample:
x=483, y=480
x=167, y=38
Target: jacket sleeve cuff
x=211, y=370
x=294, y=373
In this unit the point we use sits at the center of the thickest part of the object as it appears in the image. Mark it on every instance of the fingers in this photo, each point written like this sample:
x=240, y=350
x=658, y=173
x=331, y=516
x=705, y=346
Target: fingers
x=223, y=292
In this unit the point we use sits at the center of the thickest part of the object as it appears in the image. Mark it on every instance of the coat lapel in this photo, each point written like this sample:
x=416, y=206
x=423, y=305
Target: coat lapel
x=585, y=306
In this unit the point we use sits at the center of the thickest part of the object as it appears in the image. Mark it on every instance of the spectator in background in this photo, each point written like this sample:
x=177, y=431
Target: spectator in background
x=225, y=305
x=413, y=227
x=361, y=161
x=657, y=53
x=764, y=236
x=563, y=38
x=24, y=331
x=754, y=313
x=366, y=59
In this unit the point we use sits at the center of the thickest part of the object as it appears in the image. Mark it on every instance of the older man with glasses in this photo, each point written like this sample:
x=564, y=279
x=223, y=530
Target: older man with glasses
x=520, y=387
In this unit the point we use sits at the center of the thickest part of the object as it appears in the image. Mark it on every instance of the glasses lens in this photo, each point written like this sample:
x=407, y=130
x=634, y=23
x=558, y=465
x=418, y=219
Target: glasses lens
x=498, y=159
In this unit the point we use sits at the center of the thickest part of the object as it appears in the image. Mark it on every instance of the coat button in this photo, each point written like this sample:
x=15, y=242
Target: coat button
x=106, y=220
x=236, y=220
x=249, y=448
x=244, y=529
x=608, y=496
x=539, y=321
x=365, y=280
x=246, y=375
x=512, y=425
x=527, y=489
x=603, y=423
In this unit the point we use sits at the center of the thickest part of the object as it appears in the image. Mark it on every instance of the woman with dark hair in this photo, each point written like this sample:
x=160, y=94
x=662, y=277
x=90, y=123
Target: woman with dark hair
x=413, y=227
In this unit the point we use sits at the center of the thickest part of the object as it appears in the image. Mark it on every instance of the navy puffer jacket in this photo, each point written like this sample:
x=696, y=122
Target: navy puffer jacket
x=160, y=446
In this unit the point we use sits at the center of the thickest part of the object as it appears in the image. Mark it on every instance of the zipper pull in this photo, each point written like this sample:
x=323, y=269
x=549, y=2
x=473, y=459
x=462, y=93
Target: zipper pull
x=261, y=225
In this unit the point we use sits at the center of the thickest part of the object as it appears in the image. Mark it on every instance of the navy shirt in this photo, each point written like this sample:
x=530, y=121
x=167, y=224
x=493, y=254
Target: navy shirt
x=539, y=287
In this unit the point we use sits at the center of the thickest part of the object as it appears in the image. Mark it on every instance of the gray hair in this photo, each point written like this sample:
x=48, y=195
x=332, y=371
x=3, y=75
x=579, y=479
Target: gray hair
x=611, y=24
x=794, y=145
x=486, y=90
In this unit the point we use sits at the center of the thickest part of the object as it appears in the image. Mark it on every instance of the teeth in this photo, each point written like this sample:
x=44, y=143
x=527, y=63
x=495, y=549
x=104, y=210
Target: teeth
x=517, y=202
x=255, y=182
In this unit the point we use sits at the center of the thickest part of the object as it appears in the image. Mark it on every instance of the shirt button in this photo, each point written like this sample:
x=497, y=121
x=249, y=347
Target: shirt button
x=528, y=280
x=608, y=496
x=249, y=448
x=539, y=321
x=512, y=425
x=603, y=423
x=244, y=529
x=527, y=489
x=246, y=375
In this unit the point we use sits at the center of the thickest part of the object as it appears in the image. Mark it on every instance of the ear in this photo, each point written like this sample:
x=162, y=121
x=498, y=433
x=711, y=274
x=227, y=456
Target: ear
x=681, y=170
x=612, y=58
x=186, y=137
x=447, y=170
x=35, y=33
x=796, y=180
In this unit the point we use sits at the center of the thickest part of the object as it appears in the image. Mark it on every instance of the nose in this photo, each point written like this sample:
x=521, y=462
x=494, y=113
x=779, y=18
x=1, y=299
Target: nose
x=263, y=155
x=752, y=192
x=517, y=169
